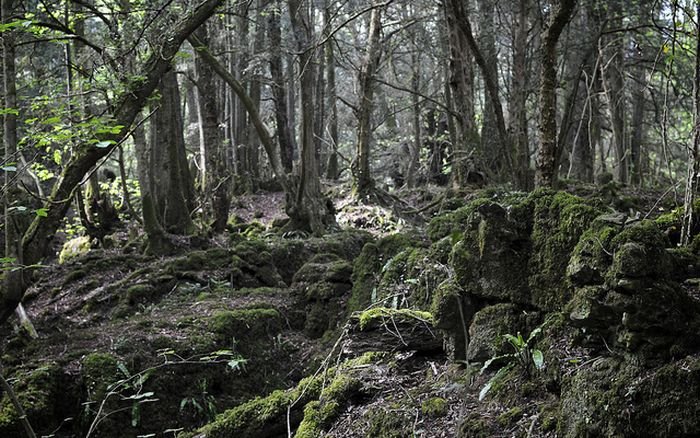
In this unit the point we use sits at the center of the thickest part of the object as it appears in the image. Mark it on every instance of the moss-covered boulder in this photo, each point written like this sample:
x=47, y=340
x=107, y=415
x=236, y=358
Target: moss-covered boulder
x=612, y=397
x=74, y=248
x=486, y=331
x=369, y=265
x=490, y=261
x=558, y=221
x=39, y=393
x=246, y=327
x=313, y=403
x=321, y=287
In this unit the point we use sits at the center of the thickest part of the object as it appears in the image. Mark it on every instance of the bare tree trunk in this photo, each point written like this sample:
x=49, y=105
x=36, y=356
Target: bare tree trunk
x=279, y=90
x=171, y=184
x=14, y=279
x=489, y=129
x=214, y=179
x=362, y=179
x=462, y=94
x=693, y=158
x=613, y=80
x=332, y=168
x=309, y=210
x=490, y=80
x=519, y=81
x=546, y=174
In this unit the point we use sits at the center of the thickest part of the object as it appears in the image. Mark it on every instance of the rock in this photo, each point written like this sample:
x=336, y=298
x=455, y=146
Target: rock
x=384, y=329
x=491, y=323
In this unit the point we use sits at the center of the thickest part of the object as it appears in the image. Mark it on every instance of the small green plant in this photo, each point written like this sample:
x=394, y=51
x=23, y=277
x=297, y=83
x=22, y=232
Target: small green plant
x=203, y=405
x=523, y=355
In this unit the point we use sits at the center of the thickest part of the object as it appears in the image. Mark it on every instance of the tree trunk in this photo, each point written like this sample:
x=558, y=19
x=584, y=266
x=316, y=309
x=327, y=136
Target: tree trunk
x=614, y=83
x=309, y=210
x=332, y=168
x=519, y=81
x=691, y=186
x=546, y=173
x=214, y=179
x=490, y=80
x=489, y=130
x=279, y=90
x=362, y=179
x=462, y=93
x=171, y=185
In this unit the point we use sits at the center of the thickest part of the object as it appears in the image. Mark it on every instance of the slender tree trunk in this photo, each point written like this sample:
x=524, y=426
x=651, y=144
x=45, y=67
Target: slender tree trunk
x=613, y=80
x=519, y=81
x=489, y=129
x=362, y=179
x=214, y=181
x=546, y=174
x=490, y=81
x=693, y=157
x=462, y=93
x=332, y=168
x=279, y=90
x=309, y=210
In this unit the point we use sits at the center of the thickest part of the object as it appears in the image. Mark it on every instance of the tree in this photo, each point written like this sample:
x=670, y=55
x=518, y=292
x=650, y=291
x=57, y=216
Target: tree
x=546, y=172
x=363, y=185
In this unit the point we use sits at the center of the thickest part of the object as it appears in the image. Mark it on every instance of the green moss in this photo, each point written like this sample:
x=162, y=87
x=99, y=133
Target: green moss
x=38, y=393
x=247, y=324
x=139, y=293
x=559, y=220
x=434, y=407
x=267, y=416
x=510, y=417
x=384, y=423
x=474, y=426
x=380, y=313
x=369, y=264
x=74, y=248
x=99, y=370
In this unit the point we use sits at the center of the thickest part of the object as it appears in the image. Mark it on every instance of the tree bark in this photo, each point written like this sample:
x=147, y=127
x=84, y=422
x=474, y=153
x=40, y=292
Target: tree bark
x=332, y=167
x=279, y=89
x=214, y=179
x=362, y=179
x=309, y=210
x=546, y=173
x=124, y=110
x=518, y=113
x=490, y=80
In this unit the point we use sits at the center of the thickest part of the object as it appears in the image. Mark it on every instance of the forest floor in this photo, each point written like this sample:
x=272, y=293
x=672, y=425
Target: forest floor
x=167, y=312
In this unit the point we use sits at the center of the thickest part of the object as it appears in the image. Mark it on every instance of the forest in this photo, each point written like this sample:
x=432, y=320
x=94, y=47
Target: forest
x=336, y=218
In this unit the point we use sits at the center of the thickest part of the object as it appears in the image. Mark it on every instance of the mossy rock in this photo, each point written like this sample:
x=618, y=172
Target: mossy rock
x=200, y=260
x=559, y=220
x=369, y=264
x=246, y=326
x=614, y=398
x=267, y=417
x=99, y=370
x=38, y=391
x=384, y=423
x=491, y=323
x=490, y=261
x=74, y=248
x=320, y=288
x=474, y=426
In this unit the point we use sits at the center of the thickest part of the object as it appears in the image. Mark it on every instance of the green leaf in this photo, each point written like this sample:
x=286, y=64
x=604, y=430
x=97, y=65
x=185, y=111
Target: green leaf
x=13, y=111
x=496, y=377
x=538, y=359
x=534, y=333
x=42, y=212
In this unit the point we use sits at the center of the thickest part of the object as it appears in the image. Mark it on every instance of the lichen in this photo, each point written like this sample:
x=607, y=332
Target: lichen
x=74, y=248
x=434, y=407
